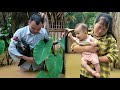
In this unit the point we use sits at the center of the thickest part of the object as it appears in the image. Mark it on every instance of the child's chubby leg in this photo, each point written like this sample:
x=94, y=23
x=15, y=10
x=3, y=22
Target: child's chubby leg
x=84, y=64
x=97, y=68
x=95, y=62
x=96, y=74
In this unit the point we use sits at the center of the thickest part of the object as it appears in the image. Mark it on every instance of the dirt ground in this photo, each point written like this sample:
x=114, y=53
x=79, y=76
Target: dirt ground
x=13, y=71
x=115, y=73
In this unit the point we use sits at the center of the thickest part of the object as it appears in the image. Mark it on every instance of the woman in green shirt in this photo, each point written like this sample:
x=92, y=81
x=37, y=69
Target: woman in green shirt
x=107, y=47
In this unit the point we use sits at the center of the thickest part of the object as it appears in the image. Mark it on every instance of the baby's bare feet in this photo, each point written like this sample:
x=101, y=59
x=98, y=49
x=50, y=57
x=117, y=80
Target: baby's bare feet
x=96, y=74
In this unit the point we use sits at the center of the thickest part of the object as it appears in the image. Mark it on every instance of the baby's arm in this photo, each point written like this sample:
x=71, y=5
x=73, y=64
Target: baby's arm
x=90, y=41
x=84, y=43
x=71, y=36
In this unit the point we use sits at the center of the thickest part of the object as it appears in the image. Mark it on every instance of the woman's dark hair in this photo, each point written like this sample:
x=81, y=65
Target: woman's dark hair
x=108, y=21
x=37, y=18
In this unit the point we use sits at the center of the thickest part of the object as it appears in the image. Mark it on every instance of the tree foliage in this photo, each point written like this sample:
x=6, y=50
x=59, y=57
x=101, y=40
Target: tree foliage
x=2, y=46
x=73, y=18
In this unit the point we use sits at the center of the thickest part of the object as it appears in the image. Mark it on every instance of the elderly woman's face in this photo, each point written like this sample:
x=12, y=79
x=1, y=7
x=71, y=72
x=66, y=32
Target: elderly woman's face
x=100, y=29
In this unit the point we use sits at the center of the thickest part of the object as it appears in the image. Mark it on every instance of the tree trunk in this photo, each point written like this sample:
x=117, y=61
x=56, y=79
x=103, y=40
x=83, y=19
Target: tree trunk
x=19, y=19
x=116, y=30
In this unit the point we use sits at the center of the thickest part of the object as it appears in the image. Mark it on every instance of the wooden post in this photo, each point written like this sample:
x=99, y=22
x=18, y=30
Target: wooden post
x=116, y=30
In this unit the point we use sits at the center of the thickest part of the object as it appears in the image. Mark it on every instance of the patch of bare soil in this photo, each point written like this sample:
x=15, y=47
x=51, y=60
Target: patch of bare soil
x=115, y=73
x=13, y=71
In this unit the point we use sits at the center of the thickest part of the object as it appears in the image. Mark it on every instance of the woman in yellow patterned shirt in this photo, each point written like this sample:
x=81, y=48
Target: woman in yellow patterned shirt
x=107, y=47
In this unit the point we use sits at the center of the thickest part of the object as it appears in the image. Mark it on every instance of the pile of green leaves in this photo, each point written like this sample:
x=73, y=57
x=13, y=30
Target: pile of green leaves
x=73, y=18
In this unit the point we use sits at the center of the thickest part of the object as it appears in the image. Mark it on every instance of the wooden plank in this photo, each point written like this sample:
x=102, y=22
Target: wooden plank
x=53, y=30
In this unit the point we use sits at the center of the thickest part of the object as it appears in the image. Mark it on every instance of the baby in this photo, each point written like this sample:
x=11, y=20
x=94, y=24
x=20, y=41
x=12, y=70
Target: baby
x=82, y=38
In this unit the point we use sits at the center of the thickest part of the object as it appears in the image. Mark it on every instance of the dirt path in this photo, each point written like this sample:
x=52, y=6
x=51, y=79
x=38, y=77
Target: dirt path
x=13, y=71
x=115, y=73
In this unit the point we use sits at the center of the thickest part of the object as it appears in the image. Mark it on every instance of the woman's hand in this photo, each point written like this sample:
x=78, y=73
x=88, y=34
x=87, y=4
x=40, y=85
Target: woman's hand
x=80, y=49
x=91, y=49
x=103, y=59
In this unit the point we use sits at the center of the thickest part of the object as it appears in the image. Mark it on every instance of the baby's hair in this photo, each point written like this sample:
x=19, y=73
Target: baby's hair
x=83, y=25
